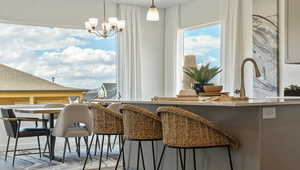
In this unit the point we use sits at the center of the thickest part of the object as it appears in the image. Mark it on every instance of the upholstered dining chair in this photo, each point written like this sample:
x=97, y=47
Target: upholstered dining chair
x=73, y=122
x=52, y=105
x=14, y=130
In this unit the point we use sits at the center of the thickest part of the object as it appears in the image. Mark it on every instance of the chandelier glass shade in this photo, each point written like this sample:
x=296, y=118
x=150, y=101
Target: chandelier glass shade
x=108, y=28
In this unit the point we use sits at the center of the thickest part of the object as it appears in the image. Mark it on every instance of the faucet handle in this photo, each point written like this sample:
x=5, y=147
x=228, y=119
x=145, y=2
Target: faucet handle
x=237, y=91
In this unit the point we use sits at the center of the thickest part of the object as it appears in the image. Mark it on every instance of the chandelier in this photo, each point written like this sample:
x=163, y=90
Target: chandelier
x=108, y=28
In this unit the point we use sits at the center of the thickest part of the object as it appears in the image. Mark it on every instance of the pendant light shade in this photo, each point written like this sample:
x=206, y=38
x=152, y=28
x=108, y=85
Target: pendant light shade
x=153, y=13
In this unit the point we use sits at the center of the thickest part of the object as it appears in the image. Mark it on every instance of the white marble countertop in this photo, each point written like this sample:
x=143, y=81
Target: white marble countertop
x=252, y=102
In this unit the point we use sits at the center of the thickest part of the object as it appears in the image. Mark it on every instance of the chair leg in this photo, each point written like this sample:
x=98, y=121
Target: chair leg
x=161, y=157
x=229, y=155
x=65, y=147
x=184, y=158
x=86, y=140
x=46, y=145
x=39, y=146
x=16, y=143
x=7, y=147
x=89, y=149
x=108, y=146
x=16, y=147
x=138, y=158
x=180, y=158
x=79, y=146
x=101, y=152
x=121, y=152
x=194, y=159
x=69, y=146
x=142, y=155
x=96, y=145
x=114, y=143
x=153, y=155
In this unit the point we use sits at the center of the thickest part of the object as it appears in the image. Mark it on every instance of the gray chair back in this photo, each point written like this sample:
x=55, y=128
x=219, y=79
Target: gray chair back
x=10, y=126
x=71, y=115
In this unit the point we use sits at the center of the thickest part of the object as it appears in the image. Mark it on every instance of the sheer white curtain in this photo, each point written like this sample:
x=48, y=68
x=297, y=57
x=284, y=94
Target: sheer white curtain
x=236, y=21
x=173, y=38
x=129, y=59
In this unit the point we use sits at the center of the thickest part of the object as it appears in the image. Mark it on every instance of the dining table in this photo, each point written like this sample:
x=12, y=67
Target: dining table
x=51, y=112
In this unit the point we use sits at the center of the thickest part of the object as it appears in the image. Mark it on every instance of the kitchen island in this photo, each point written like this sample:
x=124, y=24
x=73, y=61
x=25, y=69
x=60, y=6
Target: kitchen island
x=268, y=129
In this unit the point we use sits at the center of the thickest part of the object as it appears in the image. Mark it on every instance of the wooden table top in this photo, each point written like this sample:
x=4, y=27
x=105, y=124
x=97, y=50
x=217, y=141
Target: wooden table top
x=40, y=110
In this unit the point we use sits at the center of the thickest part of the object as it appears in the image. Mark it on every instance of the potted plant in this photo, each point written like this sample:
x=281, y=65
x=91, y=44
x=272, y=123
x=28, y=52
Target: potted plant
x=202, y=76
x=292, y=90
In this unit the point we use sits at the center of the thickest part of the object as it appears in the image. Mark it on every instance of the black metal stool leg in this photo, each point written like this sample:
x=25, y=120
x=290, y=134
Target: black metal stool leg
x=184, y=158
x=64, y=154
x=229, y=155
x=153, y=155
x=101, y=152
x=142, y=155
x=69, y=146
x=39, y=146
x=7, y=147
x=194, y=159
x=114, y=143
x=138, y=158
x=121, y=152
x=161, y=157
x=180, y=158
x=89, y=149
x=96, y=145
x=108, y=146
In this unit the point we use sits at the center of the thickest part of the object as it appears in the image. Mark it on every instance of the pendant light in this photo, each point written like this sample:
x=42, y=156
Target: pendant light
x=153, y=14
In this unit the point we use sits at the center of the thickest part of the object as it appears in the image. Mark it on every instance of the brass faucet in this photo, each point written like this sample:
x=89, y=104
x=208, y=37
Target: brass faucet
x=257, y=74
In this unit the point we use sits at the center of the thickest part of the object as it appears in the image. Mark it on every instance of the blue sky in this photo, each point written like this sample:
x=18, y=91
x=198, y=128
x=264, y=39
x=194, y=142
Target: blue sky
x=203, y=42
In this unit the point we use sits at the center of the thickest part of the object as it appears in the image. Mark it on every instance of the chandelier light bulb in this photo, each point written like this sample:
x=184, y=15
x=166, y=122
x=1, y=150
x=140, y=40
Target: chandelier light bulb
x=93, y=22
x=88, y=25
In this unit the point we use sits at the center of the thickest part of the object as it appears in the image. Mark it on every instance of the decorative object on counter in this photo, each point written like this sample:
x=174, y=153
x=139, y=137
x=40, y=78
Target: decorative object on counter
x=212, y=89
x=189, y=61
x=220, y=98
x=292, y=90
x=202, y=75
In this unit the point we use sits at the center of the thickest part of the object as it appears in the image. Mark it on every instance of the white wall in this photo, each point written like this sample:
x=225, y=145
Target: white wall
x=289, y=73
x=199, y=12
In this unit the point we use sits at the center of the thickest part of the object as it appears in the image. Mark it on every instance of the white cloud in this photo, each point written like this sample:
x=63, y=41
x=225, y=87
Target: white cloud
x=53, y=52
x=200, y=45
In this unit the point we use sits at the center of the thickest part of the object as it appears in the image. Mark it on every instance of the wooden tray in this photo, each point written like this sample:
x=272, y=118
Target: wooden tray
x=214, y=94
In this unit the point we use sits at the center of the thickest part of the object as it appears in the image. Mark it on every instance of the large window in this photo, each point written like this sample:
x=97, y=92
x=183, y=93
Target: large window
x=72, y=57
x=204, y=43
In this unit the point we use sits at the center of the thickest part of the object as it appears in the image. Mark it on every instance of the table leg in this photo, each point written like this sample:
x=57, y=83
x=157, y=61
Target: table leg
x=52, y=138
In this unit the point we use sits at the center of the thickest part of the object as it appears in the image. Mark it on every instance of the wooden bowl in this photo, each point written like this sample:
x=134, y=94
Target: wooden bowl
x=212, y=89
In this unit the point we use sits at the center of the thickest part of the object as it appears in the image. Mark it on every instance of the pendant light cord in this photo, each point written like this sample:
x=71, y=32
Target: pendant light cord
x=104, y=10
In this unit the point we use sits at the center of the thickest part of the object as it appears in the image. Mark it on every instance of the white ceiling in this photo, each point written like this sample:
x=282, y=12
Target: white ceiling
x=159, y=3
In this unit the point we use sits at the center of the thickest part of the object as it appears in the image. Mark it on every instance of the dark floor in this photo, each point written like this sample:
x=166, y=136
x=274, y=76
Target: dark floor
x=6, y=166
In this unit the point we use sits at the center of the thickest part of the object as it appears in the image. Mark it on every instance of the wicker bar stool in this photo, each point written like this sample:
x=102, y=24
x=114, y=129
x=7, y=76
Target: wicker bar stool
x=186, y=130
x=106, y=122
x=141, y=125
